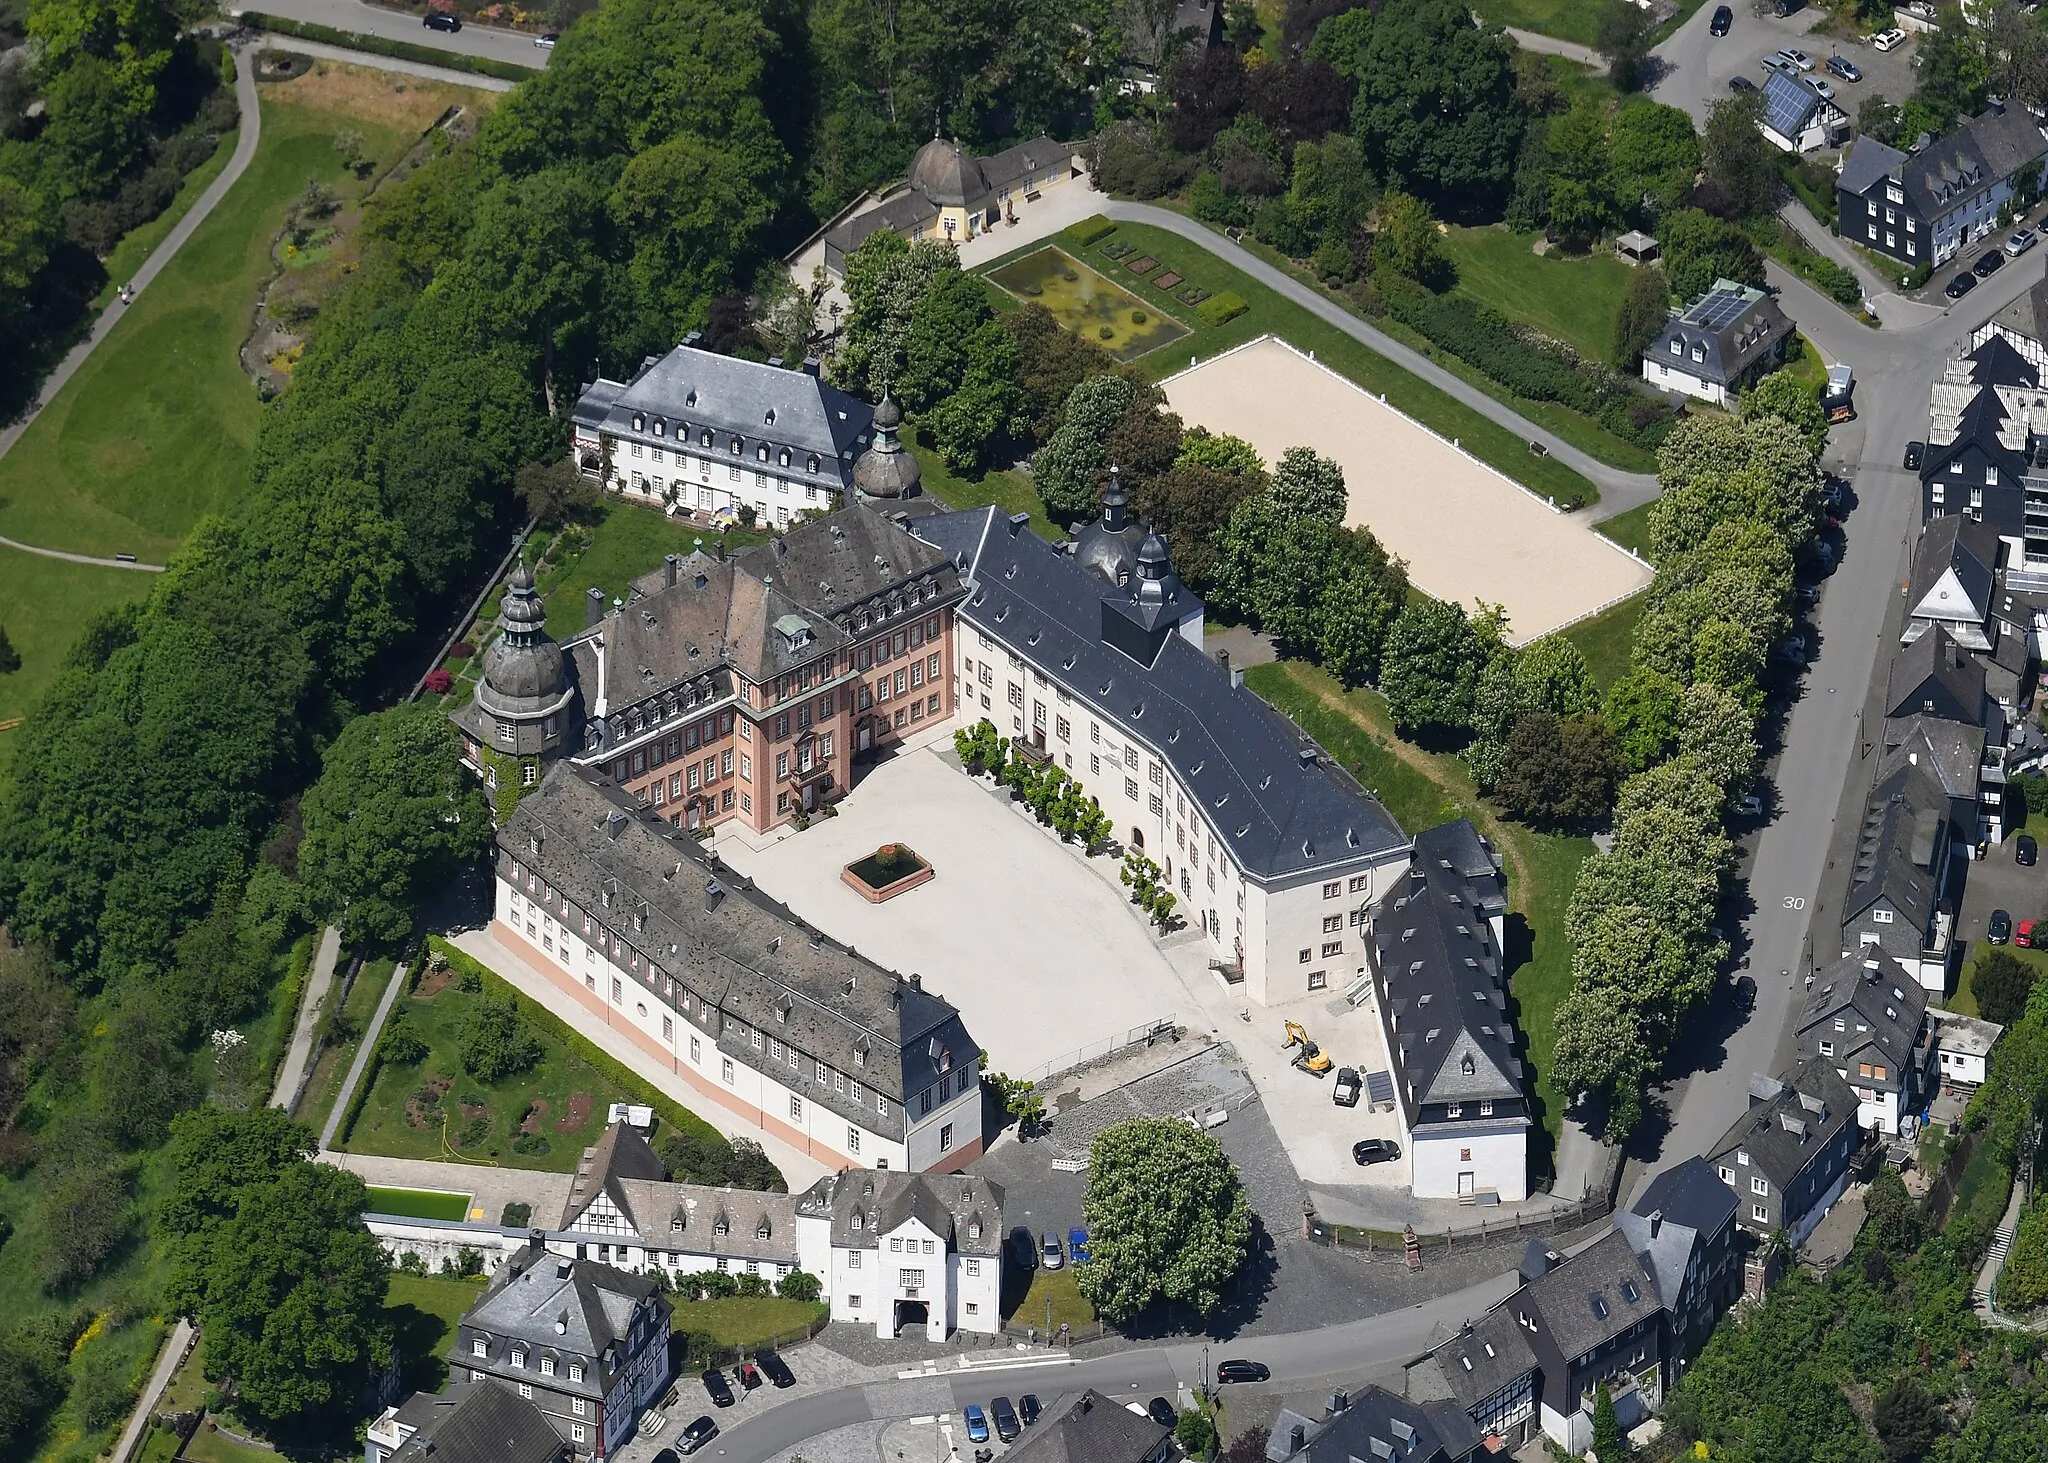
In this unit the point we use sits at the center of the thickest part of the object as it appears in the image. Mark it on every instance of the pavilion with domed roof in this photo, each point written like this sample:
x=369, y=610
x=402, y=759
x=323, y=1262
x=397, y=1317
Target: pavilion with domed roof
x=952, y=194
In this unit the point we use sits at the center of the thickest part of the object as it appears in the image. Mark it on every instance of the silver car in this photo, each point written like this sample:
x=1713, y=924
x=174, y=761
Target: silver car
x=2021, y=241
x=1820, y=88
x=1051, y=1255
x=1797, y=57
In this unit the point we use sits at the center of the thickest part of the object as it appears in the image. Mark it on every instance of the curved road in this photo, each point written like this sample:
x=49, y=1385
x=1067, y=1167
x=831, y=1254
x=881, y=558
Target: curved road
x=1619, y=491
x=247, y=135
x=1301, y=1361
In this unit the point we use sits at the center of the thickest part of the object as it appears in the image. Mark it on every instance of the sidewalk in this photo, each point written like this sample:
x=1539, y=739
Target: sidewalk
x=491, y=1188
x=175, y=1347
x=291, y=1073
x=400, y=979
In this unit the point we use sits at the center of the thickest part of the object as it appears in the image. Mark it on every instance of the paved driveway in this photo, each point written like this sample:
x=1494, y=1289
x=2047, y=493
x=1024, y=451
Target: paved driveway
x=1035, y=943
x=1697, y=66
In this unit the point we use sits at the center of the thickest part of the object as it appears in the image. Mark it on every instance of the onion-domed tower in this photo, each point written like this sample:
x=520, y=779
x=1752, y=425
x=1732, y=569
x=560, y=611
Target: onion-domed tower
x=885, y=470
x=1108, y=547
x=521, y=707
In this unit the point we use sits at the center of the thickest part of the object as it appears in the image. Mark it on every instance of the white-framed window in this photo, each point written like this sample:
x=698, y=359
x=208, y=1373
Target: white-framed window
x=547, y=1366
x=1758, y=1184
x=479, y=1347
x=579, y=1407
x=1760, y=1214
x=576, y=1432
x=973, y=1267
x=526, y=1390
x=1880, y=916
x=575, y=1371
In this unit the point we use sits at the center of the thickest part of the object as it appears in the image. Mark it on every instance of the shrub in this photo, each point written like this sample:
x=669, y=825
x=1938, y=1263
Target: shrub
x=1137, y=317
x=1106, y=333
x=495, y=1042
x=516, y=1215
x=403, y=1046
x=799, y=1285
x=1088, y=230
x=1223, y=308
x=532, y=1143
x=439, y=682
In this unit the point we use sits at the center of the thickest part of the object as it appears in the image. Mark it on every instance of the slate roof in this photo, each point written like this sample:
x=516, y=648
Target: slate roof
x=748, y=957
x=561, y=1307
x=1952, y=543
x=2027, y=317
x=1882, y=1008
x=865, y=1204
x=1955, y=167
x=1897, y=847
x=1087, y=1427
x=486, y=1424
x=851, y=561
x=625, y=1169
x=1867, y=163
x=1733, y=324
x=1984, y=423
x=1996, y=362
x=1376, y=1426
x=691, y=391
x=1278, y=815
x=1013, y=164
x=1690, y=1194
x=1934, y=676
x=1491, y=1354
x=1950, y=752
x=1790, y=1122
x=1663, y=1247
x=1592, y=1297
x=1446, y=990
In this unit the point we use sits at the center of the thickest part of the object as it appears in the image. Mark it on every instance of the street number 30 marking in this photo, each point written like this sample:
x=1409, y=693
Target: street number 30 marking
x=1793, y=901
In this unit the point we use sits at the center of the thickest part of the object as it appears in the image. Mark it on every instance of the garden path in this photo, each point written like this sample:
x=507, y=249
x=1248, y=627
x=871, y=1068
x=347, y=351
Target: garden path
x=291, y=1073
x=175, y=1346
x=400, y=980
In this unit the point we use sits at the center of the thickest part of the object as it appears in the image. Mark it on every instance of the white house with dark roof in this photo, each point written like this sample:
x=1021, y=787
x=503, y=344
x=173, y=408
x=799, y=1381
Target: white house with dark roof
x=1795, y=118
x=1721, y=343
x=899, y=1250
x=1273, y=851
x=696, y=431
x=1865, y=1014
x=1433, y=946
x=1923, y=207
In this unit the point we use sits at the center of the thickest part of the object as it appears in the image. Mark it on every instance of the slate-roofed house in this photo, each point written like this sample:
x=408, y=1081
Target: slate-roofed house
x=1795, y=118
x=1087, y=1427
x=1787, y=1158
x=1977, y=456
x=747, y=687
x=1489, y=1369
x=584, y=1342
x=951, y=194
x=1683, y=1229
x=1922, y=207
x=1270, y=847
x=1954, y=756
x=1595, y=1319
x=903, y=1249
x=470, y=1425
x=1869, y=1017
x=1374, y=1425
x=2021, y=330
x=632, y=918
x=696, y=431
x=1441, y=987
x=1952, y=582
x=1719, y=344
x=1897, y=898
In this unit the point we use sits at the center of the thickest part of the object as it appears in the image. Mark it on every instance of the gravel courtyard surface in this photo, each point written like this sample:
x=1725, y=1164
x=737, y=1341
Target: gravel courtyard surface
x=1466, y=532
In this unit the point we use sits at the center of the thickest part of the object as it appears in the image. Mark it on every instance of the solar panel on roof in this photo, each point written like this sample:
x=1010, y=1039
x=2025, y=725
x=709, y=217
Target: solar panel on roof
x=1787, y=104
x=1717, y=310
x=1379, y=1086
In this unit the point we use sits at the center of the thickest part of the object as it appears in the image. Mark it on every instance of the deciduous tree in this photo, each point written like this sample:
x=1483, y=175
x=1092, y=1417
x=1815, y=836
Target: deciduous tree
x=1436, y=110
x=495, y=1041
x=1069, y=466
x=1167, y=1219
x=1623, y=37
x=1645, y=307
x=2003, y=983
x=1429, y=670
x=1642, y=710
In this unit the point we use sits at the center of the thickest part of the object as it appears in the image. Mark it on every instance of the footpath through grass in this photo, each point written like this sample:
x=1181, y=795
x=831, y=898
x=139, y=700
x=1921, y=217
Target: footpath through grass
x=1421, y=789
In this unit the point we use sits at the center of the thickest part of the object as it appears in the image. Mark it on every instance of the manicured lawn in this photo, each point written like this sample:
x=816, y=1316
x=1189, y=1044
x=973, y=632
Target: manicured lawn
x=42, y=604
x=742, y=1320
x=1568, y=20
x=333, y=1063
x=541, y=1118
x=418, y=1203
x=1089, y=303
x=1631, y=529
x=1608, y=639
x=1270, y=313
x=1069, y=1308
x=1013, y=492
x=1421, y=789
x=213, y=1447
x=1570, y=299
x=627, y=540
x=138, y=244
x=1963, y=1001
x=424, y=1311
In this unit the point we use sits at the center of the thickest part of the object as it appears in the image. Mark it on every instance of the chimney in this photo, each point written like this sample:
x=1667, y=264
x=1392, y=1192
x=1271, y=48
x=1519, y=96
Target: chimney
x=669, y=566
x=1308, y=756
x=1223, y=659
x=718, y=549
x=1297, y=1436
x=916, y=981
x=713, y=893
x=694, y=340
x=810, y=365
x=1017, y=522
x=1656, y=1222
x=776, y=362
x=593, y=601
x=1339, y=1401
x=1237, y=678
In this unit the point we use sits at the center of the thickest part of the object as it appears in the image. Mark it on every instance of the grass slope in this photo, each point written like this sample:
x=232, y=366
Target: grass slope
x=1573, y=300
x=745, y=1321
x=424, y=1311
x=627, y=540
x=1422, y=789
x=1608, y=639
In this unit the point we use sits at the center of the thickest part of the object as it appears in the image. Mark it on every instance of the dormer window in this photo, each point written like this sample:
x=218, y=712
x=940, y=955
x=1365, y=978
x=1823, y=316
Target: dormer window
x=762, y=452
x=811, y=463
x=738, y=446
x=705, y=440
x=1677, y=346
x=639, y=422
x=575, y=1371
x=518, y=1357
x=660, y=427
x=782, y=458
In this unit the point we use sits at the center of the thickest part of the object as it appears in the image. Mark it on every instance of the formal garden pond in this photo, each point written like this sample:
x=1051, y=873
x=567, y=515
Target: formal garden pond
x=1089, y=304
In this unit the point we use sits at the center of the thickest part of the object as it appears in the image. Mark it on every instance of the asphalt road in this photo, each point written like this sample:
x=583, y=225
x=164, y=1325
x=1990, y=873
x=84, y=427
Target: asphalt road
x=1696, y=66
x=396, y=25
x=1302, y=1361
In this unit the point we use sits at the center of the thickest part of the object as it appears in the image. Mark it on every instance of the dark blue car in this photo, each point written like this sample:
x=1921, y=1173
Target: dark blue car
x=977, y=1425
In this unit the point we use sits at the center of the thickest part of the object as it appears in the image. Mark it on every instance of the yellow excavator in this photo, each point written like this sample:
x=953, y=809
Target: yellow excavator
x=1311, y=1058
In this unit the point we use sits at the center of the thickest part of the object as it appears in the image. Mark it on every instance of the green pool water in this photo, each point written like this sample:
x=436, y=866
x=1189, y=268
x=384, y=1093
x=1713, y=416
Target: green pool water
x=419, y=1203
x=879, y=870
x=1089, y=303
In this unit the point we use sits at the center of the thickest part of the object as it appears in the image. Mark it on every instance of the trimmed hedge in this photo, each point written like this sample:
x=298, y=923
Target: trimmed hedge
x=379, y=46
x=1223, y=308
x=1089, y=229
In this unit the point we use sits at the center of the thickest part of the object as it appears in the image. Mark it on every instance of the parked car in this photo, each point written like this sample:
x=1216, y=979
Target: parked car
x=1345, y=1093
x=1988, y=263
x=1027, y=1408
x=747, y=1375
x=1077, y=1245
x=1745, y=993
x=2028, y=935
x=977, y=1424
x=1961, y=285
x=1776, y=62
x=2026, y=851
x=1915, y=453
x=1843, y=67
x=666, y=1455
x=1161, y=1411
x=1007, y=1426
x=777, y=1369
x=441, y=20
x=1888, y=40
x=1239, y=1370
x=1742, y=84
x=2021, y=241
x=1797, y=57
x=1820, y=88
x=1792, y=650
x=547, y=41
x=2001, y=927
x=1750, y=807
x=718, y=1387
x=1724, y=17
x=1374, y=1150
x=697, y=1434
x=1052, y=1257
